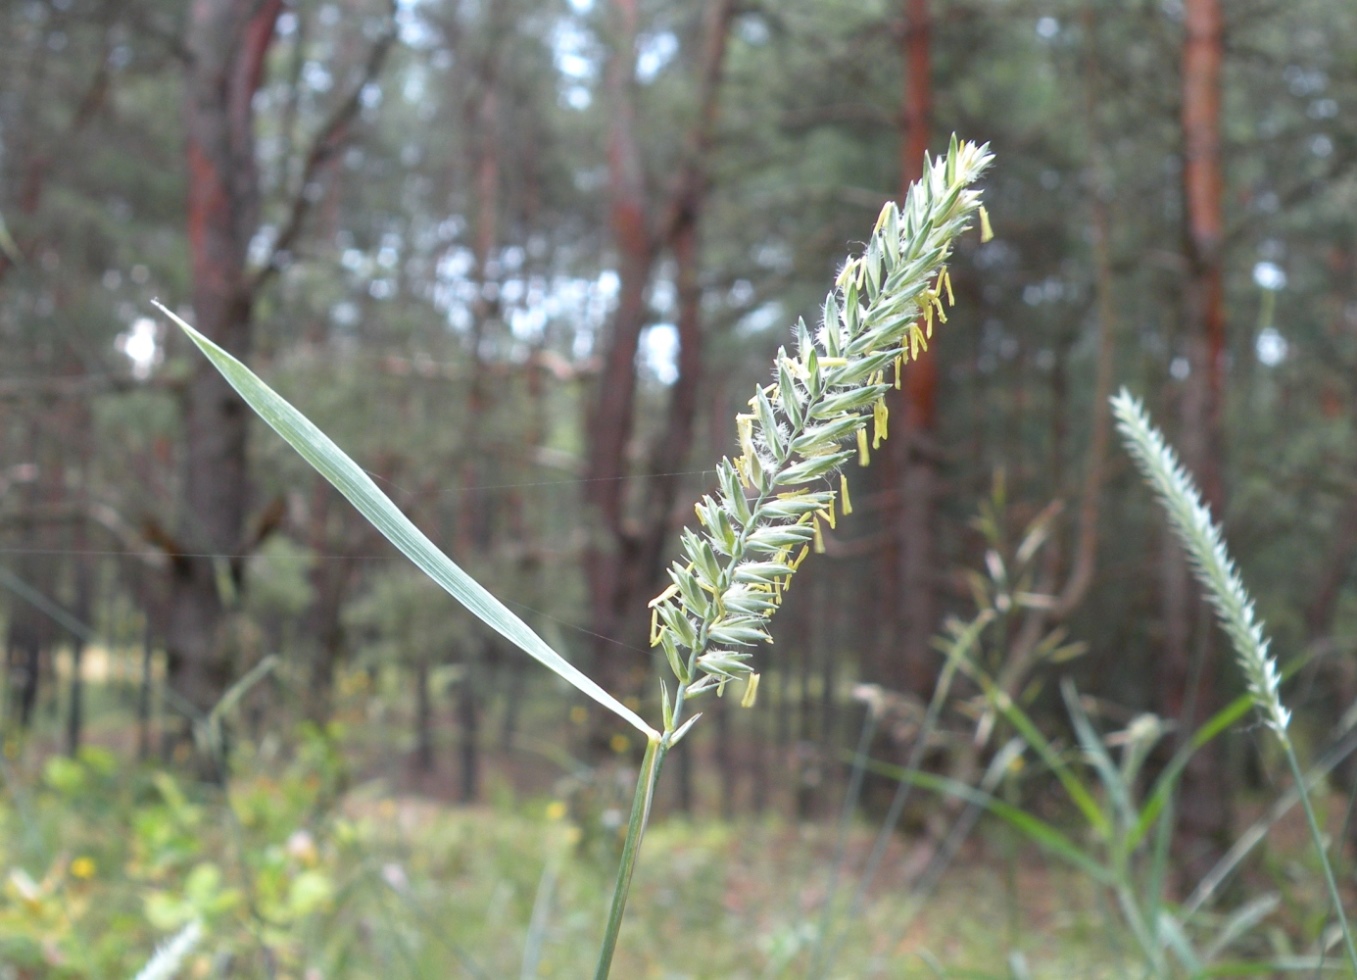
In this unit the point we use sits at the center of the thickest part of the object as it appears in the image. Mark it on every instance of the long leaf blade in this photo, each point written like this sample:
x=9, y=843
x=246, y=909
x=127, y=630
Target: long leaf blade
x=349, y=479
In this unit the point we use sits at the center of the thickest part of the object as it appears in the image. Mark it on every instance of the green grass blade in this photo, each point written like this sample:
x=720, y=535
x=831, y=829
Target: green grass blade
x=1224, y=719
x=1079, y=794
x=350, y=480
x=1167, y=782
x=1097, y=755
x=1041, y=833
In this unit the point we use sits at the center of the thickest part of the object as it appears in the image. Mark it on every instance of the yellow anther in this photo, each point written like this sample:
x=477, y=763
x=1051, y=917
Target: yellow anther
x=881, y=218
x=751, y=691
x=845, y=500
x=864, y=457
x=744, y=424
x=986, y=232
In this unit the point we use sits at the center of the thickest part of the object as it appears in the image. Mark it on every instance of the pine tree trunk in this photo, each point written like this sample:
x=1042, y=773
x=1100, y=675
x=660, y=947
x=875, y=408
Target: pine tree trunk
x=1188, y=684
x=228, y=40
x=909, y=611
x=629, y=521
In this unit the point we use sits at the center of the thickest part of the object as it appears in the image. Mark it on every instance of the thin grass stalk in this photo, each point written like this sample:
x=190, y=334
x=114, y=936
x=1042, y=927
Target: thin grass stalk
x=850, y=804
x=1157, y=873
x=1317, y=836
x=540, y=916
x=408, y=905
x=957, y=652
x=1146, y=921
x=1251, y=838
x=1134, y=917
x=961, y=829
x=1201, y=538
x=656, y=750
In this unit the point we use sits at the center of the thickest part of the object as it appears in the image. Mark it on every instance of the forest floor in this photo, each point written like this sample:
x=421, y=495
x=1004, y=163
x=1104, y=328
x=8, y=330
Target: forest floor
x=337, y=857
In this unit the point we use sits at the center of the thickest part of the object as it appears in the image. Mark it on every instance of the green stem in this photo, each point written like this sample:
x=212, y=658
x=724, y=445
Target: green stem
x=1337, y=899
x=640, y=815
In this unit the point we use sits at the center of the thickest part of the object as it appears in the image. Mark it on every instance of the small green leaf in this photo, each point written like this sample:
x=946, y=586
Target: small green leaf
x=747, y=602
x=816, y=466
x=768, y=421
x=824, y=438
x=760, y=572
x=693, y=595
x=683, y=730
x=740, y=636
x=676, y=664
x=733, y=490
x=790, y=394
x=794, y=507
x=673, y=617
x=773, y=539
x=854, y=398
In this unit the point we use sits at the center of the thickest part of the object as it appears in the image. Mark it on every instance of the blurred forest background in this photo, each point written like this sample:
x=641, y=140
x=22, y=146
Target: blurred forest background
x=526, y=259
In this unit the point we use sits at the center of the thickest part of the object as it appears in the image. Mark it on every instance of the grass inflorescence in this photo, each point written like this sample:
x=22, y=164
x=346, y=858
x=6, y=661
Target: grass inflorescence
x=1205, y=547
x=825, y=405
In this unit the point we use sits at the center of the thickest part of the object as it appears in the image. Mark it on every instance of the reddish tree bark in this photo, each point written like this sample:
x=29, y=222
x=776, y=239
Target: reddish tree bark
x=909, y=608
x=227, y=44
x=474, y=518
x=624, y=556
x=611, y=558
x=1188, y=677
x=1203, y=191
x=228, y=40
